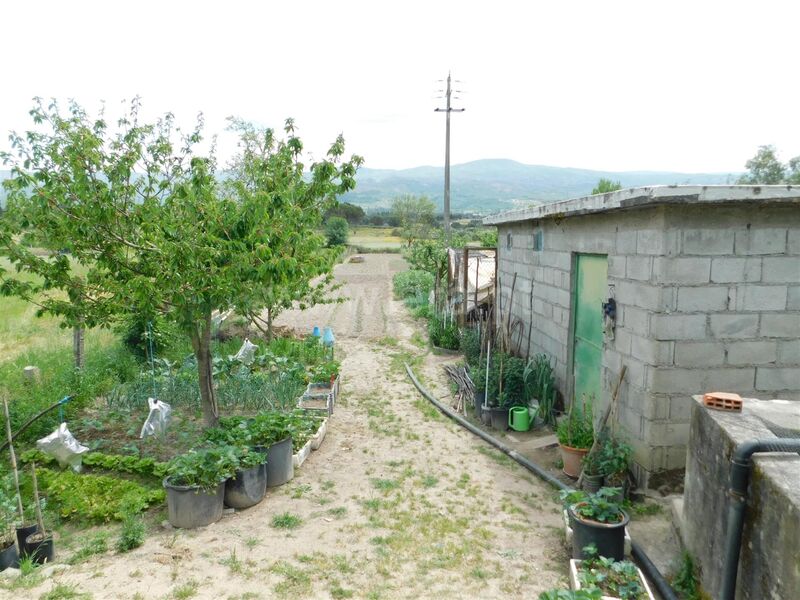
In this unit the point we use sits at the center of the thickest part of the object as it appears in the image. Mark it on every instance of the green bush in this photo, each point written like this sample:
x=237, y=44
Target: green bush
x=136, y=338
x=413, y=285
x=336, y=231
x=443, y=333
x=470, y=345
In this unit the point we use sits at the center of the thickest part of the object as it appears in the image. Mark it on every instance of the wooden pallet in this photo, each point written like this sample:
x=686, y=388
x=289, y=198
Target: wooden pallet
x=723, y=401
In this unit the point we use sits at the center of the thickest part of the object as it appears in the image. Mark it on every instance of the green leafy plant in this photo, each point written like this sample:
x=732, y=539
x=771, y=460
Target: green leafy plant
x=686, y=581
x=336, y=231
x=324, y=372
x=205, y=468
x=598, y=506
x=614, y=456
x=443, y=332
x=286, y=521
x=611, y=577
x=132, y=533
x=576, y=430
x=589, y=594
x=470, y=345
x=96, y=498
x=540, y=384
x=414, y=285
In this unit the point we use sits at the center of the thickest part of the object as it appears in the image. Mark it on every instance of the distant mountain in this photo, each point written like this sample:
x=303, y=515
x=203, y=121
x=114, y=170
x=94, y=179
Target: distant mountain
x=492, y=185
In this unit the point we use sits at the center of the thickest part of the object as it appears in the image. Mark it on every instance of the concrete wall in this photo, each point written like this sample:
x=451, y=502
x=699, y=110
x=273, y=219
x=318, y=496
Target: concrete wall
x=708, y=298
x=769, y=564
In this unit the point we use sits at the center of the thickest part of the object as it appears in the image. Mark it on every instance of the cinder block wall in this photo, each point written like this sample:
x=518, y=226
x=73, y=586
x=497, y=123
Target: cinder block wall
x=708, y=298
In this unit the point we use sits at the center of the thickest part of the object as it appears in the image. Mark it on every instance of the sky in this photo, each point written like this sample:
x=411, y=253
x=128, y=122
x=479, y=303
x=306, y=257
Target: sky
x=679, y=86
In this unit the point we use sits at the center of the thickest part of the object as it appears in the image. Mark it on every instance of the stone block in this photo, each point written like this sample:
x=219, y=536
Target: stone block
x=760, y=352
x=616, y=266
x=675, y=380
x=761, y=241
x=680, y=408
x=750, y=297
x=639, y=268
x=635, y=319
x=702, y=299
x=733, y=326
x=794, y=241
x=781, y=269
x=730, y=379
x=658, y=241
x=652, y=352
x=789, y=352
x=678, y=327
x=666, y=433
x=735, y=270
x=675, y=458
x=785, y=325
x=655, y=407
x=559, y=260
x=635, y=374
x=642, y=295
x=699, y=354
x=626, y=242
x=777, y=378
x=622, y=341
x=682, y=270
x=707, y=241
x=793, y=298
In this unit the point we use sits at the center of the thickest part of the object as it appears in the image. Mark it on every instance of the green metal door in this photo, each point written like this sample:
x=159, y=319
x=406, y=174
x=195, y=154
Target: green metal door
x=591, y=271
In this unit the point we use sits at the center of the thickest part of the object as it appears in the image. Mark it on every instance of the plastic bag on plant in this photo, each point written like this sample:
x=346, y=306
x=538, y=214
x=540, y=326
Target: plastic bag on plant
x=157, y=420
x=63, y=446
x=246, y=353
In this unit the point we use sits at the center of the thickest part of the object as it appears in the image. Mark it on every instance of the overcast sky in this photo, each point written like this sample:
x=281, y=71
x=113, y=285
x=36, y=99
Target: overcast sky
x=685, y=86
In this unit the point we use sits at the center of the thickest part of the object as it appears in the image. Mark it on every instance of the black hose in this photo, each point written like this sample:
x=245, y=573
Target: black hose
x=644, y=562
x=737, y=492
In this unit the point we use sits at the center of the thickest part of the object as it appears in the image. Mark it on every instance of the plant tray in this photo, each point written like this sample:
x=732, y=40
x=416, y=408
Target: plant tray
x=568, y=534
x=299, y=457
x=322, y=403
x=576, y=583
x=317, y=439
x=723, y=401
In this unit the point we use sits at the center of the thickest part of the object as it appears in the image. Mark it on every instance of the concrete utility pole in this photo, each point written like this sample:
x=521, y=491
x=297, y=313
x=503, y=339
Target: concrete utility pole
x=447, y=110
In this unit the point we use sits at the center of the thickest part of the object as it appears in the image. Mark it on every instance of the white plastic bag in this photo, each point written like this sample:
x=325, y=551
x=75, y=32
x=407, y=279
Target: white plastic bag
x=246, y=353
x=63, y=446
x=157, y=420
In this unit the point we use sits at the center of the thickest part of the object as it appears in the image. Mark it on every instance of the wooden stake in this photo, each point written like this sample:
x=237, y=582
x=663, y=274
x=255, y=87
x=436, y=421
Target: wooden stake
x=13, y=461
x=39, y=520
x=603, y=421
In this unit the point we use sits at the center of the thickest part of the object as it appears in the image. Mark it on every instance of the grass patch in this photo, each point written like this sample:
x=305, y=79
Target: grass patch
x=286, y=521
x=296, y=582
x=385, y=485
x=187, y=590
x=338, y=513
x=499, y=457
x=96, y=544
x=63, y=591
x=429, y=481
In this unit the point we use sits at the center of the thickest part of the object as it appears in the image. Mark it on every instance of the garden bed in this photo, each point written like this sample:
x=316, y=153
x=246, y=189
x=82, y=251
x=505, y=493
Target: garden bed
x=575, y=582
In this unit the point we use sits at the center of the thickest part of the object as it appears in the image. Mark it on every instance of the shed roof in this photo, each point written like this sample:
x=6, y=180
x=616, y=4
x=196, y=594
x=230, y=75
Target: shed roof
x=650, y=196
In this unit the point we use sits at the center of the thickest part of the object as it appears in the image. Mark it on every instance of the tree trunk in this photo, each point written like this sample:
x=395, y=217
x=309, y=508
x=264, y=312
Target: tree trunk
x=201, y=343
x=77, y=346
x=269, y=324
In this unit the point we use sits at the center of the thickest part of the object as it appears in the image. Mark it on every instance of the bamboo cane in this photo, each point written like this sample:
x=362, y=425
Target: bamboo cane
x=39, y=519
x=13, y=461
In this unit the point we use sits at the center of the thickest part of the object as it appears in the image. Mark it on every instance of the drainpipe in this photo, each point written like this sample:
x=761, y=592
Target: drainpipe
x=739, y=478
x=660, y=583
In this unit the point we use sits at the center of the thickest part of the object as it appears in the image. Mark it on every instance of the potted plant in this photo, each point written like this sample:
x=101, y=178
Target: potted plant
x=249, y=483
x=195, y=485
x=8, y=549
x=615, y=579
x=592, y=472
x=39, y=545
x=575, y=436
x=596, y=519
x=614, y=459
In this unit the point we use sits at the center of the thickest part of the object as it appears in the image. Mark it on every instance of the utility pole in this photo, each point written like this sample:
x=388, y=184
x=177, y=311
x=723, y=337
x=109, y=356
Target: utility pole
x=447, y=112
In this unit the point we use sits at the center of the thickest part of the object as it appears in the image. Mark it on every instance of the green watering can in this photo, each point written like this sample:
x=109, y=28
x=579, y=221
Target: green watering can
x=519, y=418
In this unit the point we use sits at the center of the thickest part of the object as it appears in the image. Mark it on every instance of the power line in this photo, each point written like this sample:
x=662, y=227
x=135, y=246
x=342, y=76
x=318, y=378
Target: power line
x=447, y=111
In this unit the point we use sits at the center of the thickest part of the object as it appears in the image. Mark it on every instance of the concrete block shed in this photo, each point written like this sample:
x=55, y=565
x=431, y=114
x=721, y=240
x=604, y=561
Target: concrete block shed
x=706, y=281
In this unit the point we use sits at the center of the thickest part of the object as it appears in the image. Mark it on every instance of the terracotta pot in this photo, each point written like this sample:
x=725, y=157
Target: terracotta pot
x=572, y=458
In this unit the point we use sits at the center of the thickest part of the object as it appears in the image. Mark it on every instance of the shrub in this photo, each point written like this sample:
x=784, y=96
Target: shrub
x=471, y=345
x=443, y=333
x=413, y=284
x=336, y=231
x=136, y=337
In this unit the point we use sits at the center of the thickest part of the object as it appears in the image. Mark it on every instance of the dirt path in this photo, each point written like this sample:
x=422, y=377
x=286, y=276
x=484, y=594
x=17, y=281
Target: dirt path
x=399, y=502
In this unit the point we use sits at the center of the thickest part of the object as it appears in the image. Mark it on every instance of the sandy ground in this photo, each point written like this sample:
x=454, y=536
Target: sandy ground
x=399, y=502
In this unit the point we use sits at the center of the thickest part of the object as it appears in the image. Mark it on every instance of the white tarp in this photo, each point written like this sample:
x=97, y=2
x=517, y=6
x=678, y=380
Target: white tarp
x=480, y=275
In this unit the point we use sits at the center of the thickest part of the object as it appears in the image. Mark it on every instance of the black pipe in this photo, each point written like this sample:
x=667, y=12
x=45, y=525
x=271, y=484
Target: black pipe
x=639, y=555
x=737, y=491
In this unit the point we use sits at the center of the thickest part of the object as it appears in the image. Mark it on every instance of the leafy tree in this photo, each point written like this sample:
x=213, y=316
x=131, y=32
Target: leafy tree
x=336, y=230
x=605, y=186
x=146, y=217
x=415, y=215
x=376, y=219
x=765, y=168
x=354, y=214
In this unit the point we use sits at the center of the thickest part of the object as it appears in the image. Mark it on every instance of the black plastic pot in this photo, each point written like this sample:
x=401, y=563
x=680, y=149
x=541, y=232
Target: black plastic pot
x=9, y=556
x=486, y=416
x=41, y=551
x=247, y=488
x=499, y=418
x=190, y=507
x=592, y=483
x=608, y=537
x=23, y=532
x=480, y=398
x=280, y=466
